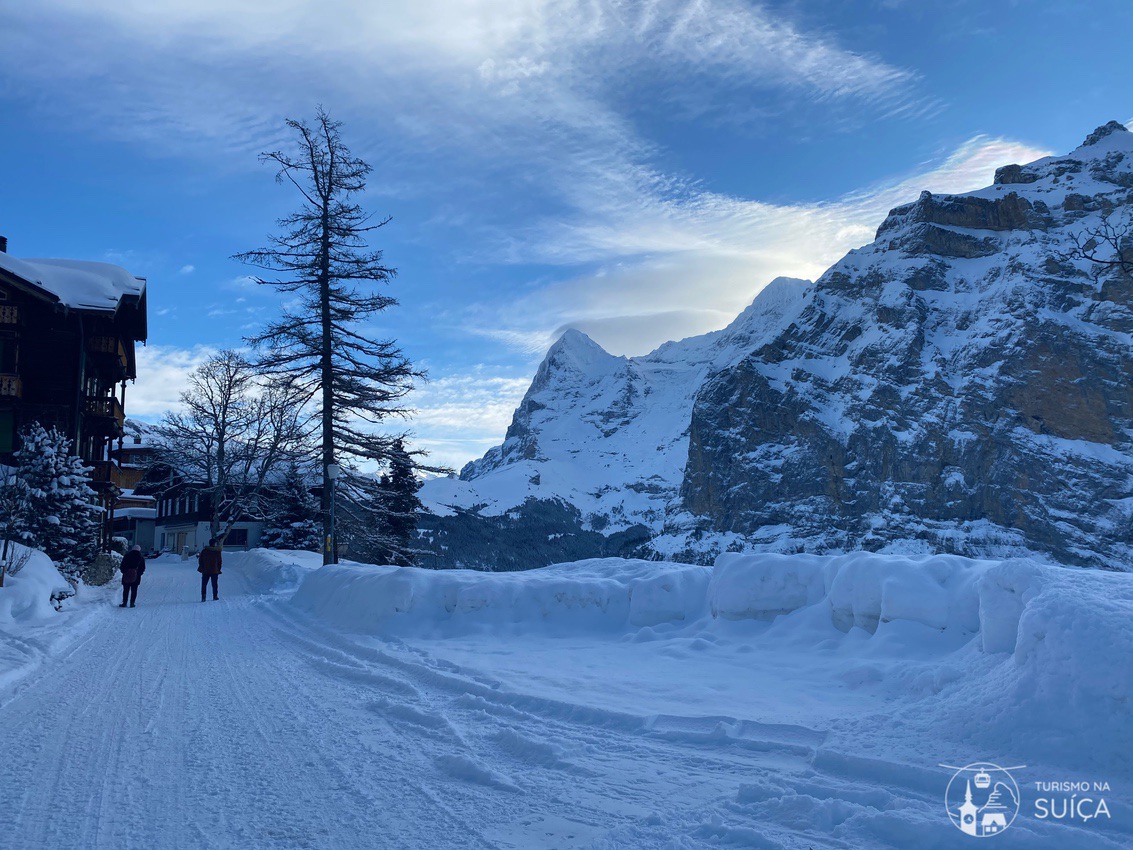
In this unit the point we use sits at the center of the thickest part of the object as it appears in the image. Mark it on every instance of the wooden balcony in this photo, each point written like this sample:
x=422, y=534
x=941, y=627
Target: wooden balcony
x=105, y=345
x=108, y=355
x=104, y=473
x=9, y=314
x=106, y=415
x=11, y=386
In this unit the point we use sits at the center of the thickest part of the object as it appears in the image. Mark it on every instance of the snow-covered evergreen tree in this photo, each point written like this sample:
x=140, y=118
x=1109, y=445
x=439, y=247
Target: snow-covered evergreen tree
x=13, y=508
x=294, y=521
x=56, y=509
x=402, y=504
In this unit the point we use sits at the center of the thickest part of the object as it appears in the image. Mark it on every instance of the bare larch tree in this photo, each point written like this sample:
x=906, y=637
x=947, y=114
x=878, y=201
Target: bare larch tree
x=322, y=255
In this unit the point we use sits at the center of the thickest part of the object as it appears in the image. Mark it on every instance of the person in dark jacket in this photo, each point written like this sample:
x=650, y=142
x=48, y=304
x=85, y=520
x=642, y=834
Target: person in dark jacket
x=133, y=565
x=208, y=565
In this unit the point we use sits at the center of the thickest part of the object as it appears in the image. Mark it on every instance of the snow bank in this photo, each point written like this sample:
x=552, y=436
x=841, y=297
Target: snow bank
x=1002, y=652
x=31, y=629
x=273, y=570
x=1067, y=680
x=1044, y=662
x=26, y=596
x=1003, y=603
x=596, y=595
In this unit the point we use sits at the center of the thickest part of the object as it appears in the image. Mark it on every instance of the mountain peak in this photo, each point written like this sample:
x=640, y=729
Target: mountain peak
x=574, y=338
x=1107, y=129
x=577, y=352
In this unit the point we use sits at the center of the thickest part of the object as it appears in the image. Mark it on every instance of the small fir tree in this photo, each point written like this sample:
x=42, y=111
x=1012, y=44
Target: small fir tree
x=13, y=509
x=401, y=486
x=59, y=516
x=293, y=520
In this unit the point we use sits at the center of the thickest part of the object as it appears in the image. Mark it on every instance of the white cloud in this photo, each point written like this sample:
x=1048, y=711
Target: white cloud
x=492, y=81
x=477, y=405
x=682, y=262
x=188, y=269
x=163, y=373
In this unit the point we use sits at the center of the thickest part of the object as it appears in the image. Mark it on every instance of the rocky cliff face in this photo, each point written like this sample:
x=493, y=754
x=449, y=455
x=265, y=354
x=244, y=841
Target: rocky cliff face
x=958, y=382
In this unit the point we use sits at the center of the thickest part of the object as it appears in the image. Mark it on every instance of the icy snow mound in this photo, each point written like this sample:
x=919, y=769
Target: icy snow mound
x=26, y=596
x=1068, y=678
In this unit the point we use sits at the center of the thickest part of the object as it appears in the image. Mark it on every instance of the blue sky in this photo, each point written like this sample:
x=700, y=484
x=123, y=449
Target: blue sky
x=638, y=170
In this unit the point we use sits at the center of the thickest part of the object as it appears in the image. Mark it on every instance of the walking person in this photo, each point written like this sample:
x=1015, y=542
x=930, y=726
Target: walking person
x=208, y=565
x=133, y=565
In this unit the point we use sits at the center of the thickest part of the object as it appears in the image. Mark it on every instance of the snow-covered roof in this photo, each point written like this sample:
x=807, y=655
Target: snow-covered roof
x=130, y=495
x=79, y=284
x=137, y=513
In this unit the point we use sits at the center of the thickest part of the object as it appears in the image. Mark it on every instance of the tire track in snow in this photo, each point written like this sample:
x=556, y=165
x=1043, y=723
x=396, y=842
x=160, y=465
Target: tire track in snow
x=510, y=736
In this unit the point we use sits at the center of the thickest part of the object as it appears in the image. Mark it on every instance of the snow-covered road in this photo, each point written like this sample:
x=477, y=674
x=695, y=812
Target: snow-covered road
x=241, y=724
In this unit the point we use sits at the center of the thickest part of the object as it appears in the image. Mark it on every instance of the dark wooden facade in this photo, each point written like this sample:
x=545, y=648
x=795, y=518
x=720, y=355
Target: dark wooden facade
x=67, y=349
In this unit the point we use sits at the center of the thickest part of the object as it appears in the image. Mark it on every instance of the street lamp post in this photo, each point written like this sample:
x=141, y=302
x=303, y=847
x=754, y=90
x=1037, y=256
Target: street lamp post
x=333, y=470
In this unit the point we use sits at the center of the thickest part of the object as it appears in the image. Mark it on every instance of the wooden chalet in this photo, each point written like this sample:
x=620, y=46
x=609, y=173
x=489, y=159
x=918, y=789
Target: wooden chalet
x=68, y=329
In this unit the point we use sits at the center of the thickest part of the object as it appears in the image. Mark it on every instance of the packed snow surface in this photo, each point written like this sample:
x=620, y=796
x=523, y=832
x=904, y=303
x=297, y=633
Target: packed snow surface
x=769, y=701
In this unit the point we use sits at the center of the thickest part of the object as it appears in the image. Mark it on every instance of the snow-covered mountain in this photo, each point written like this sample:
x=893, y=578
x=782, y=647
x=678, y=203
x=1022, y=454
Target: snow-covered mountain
x=608, y=435
x=959, y=384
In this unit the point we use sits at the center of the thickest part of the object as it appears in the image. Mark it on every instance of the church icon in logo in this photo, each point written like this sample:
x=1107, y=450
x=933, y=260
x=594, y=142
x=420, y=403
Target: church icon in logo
x=982, y=799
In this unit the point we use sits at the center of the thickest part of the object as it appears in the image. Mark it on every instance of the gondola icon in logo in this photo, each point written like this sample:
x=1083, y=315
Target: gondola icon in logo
x=982, y=799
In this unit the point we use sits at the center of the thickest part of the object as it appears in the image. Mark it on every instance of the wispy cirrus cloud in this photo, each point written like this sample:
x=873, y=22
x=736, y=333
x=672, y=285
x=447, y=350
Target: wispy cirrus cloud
x=678, y=262
x=540, y=80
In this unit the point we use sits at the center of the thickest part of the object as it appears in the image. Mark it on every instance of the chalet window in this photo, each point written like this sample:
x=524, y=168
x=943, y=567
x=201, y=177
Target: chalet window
x=7, y=430
x=237, y=537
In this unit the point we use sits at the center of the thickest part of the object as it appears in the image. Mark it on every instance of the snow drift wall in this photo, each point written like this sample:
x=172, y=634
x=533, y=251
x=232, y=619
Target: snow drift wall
x=602, y=594
x=860, y=590
x=1042, y=614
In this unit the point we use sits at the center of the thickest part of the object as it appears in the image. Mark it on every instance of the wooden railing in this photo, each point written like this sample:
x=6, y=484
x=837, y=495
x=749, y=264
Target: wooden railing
x=11, y=386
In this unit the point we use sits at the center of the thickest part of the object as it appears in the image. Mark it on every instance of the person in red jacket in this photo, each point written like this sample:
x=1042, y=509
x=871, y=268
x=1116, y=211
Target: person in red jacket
x=208, y=565
x=133, y=565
